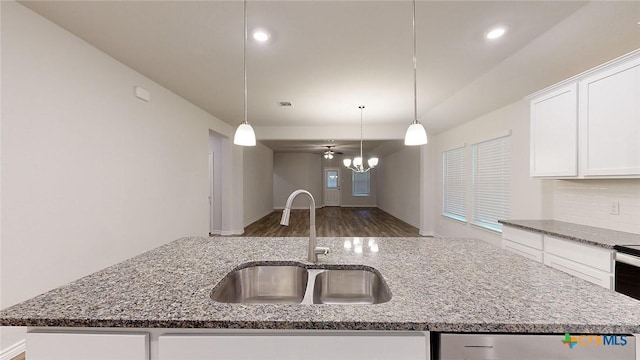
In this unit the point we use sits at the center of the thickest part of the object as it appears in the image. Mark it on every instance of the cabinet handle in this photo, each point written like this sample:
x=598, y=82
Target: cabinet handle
x=628, y=259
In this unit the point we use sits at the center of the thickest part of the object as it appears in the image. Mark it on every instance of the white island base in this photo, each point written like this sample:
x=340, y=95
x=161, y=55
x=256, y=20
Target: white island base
x=212, y=344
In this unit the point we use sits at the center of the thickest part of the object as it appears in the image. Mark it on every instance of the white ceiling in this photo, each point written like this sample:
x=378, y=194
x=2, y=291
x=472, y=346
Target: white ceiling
x=328, y=57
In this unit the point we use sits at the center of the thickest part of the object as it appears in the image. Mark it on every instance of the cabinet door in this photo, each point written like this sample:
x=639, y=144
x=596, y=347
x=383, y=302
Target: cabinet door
x=332, y=345
x=554, y=133
x=49, y=345
x=590, y=255
x=529, y=253
x=582, y=271
x=610, y=121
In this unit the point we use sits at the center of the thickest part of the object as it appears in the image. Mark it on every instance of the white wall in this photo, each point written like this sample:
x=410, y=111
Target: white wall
x=399, y=185
x=588, y=202
x=258, y=182
x=91, y=175
x=528, y=196
x=293, y=171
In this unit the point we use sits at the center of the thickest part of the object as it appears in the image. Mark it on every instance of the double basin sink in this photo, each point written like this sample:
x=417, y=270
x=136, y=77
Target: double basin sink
x=269, y=283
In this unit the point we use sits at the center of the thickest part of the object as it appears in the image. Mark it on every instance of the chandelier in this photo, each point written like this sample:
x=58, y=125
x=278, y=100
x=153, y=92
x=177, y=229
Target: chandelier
x=328, y=154
x=357, y=164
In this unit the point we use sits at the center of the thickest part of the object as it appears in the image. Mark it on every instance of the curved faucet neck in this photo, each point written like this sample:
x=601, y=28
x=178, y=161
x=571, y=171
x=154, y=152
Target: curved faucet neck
x=312, y=202
x=312, y=255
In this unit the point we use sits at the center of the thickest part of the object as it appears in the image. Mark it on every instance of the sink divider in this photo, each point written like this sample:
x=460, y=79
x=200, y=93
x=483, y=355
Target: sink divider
x=311, y=282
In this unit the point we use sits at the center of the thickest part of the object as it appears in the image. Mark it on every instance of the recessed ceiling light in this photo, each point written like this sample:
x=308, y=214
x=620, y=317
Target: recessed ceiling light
x=261, y=35
x=496, y=32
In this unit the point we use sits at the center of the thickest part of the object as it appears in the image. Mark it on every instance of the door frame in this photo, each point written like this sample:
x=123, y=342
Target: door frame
x=324, y=186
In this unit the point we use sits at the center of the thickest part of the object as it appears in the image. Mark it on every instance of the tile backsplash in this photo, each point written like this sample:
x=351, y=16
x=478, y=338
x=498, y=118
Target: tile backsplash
x=590, y=202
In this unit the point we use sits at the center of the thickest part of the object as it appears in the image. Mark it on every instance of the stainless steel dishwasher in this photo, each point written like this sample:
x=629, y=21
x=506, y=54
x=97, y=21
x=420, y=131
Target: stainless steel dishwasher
x=534, y=347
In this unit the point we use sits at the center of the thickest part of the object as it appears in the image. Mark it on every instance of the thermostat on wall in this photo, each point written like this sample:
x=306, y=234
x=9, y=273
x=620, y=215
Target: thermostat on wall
x=142, y=94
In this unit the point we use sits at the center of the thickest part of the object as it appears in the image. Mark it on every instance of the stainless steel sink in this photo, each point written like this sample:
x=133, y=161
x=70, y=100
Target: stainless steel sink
x=263, y=284
x=349, y=287
x=294, y=284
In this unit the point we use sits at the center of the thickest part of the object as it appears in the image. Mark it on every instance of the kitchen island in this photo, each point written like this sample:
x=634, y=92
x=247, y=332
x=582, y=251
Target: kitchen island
x=437, y=285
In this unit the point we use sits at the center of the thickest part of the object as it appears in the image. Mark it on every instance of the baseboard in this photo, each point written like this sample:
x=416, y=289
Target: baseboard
x=12, y=351
x=427, y=233
x=227, y=232
x=231, y=232
x=297, y=208
x=359, y=206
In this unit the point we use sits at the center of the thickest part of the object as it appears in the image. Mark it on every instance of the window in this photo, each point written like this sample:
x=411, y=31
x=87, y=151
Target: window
x=454, y=184
x=491, y=182
x=332, y=179
x=360, y=184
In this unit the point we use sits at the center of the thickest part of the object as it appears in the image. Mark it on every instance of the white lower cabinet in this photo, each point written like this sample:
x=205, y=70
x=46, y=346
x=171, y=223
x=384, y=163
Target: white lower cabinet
x=525, y=243
x=588, y=262
x=309, y=346
x=51, y=345
x=584, y=272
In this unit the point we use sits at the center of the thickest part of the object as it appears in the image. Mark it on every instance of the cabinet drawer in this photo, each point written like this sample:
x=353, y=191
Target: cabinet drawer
x=525, y=238
x=51, y=345
x=582, y=271
x=334, y=345
x=589, y=255
x=529, y=253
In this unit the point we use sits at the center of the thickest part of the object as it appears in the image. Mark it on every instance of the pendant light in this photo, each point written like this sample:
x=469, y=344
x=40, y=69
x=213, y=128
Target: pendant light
x=244, y=133
x=357, y=164
x=416, y=134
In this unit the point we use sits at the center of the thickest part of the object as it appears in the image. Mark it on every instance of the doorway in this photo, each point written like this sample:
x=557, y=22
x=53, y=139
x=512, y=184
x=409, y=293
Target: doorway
x=332, y=183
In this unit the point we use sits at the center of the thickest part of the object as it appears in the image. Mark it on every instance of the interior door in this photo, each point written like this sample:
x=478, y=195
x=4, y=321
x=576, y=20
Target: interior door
x=332, y=187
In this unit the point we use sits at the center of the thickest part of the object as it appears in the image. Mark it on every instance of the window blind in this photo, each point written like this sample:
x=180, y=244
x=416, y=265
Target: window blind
x=360, y=184
x=491, y=182
x=454, y=184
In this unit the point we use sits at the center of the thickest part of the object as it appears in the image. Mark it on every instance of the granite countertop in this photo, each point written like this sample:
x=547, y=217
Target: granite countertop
x=586, y=234
x=446, y=285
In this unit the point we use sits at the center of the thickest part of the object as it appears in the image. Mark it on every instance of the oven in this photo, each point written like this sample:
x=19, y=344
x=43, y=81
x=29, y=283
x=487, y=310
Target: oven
x=627, y=276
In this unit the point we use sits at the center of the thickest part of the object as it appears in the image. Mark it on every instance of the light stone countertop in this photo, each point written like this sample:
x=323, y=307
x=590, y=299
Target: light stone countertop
x=581, y=233
x=446, y=285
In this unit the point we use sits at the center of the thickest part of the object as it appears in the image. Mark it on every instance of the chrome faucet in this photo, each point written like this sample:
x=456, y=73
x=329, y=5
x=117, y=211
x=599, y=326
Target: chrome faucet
x=313, y=250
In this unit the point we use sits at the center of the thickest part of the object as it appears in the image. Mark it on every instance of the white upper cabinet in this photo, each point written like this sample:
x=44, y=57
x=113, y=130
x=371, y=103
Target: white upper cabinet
x=610, y=121
x=589, y=126
x=554, y=133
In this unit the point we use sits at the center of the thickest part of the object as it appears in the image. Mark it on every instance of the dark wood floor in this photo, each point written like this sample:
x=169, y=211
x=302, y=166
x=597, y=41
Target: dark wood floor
x=334, y=221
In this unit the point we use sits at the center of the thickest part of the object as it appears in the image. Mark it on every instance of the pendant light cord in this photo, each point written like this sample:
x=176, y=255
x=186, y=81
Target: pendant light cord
x=415, y=86
x=244, y=61
x=361, y=133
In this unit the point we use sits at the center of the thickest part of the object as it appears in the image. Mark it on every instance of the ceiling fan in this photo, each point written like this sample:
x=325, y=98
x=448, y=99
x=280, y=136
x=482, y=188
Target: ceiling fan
x=328, y=154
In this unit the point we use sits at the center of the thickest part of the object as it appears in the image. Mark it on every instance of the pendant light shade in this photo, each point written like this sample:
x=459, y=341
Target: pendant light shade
x=416, y=134
x=245, y=136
